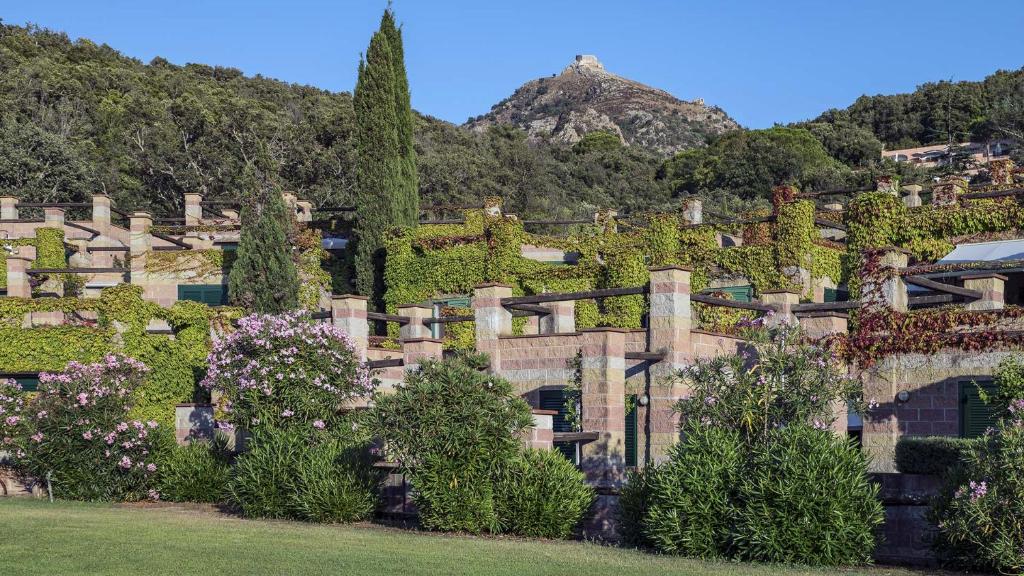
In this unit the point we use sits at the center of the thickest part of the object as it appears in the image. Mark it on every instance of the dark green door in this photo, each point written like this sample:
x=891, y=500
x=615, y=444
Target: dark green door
x=975, y=415
x=631, y=433
x=555, y=400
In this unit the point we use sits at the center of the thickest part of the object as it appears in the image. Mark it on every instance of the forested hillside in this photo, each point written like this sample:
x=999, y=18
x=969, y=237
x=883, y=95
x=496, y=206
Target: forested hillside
x=78, y=117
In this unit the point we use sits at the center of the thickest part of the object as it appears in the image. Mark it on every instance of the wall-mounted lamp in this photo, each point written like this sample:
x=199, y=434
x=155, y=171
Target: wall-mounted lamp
x=643, y=400
x=903, y=396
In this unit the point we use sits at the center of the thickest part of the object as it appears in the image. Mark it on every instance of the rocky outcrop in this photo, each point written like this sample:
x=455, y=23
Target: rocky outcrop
x=585, y=97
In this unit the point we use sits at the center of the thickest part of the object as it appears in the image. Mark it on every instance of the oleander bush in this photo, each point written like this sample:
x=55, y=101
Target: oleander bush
x=78, y=435
x=634, y=501
x=196, y=472
x=980, y=515
x=453, y=429
x=541, y=494
x=288, y=382
x=937, y=455
x=759, y=475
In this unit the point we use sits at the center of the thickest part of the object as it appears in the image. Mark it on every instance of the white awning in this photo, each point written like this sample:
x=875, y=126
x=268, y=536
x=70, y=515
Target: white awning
x=986, y=252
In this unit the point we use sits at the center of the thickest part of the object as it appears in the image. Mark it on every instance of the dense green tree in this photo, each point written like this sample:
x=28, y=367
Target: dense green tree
x=263, y=277
x=387, y=196
x=598, y=140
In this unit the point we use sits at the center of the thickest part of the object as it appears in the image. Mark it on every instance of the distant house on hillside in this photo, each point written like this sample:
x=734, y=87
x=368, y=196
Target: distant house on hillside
x=937, y=155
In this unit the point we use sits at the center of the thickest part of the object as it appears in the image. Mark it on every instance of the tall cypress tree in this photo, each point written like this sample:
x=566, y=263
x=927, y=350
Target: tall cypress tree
x=263, y=278
x=386, y=182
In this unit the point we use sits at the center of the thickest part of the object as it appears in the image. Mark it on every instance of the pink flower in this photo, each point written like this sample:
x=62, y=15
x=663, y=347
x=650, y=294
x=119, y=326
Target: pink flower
x=287, y=413
x=125, y=462
x=151, y=467
x=12, y=420
x=319, y=424
x=154, y=495
x=37, y=437
x=152, y=424
x=87, y=434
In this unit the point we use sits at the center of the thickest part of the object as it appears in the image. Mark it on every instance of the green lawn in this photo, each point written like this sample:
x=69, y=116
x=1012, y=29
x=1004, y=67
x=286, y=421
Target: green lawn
x=37, y=537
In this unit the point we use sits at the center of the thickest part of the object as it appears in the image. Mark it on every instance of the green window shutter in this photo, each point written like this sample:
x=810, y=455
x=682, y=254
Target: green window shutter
x=739, y=293
x=209, y=294
x=975, y=415
x=836, y=295
x=555, y=400
x=631, y=432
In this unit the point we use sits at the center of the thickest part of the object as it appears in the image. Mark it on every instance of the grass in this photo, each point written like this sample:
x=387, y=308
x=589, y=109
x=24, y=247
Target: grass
x=37, y=537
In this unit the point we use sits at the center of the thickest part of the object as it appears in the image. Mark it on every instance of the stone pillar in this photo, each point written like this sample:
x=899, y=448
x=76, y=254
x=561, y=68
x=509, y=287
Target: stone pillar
x=193, y=209
x=991, y=286
x=348, y=312
x=888, y=185
x=542, y=434
x=561, y=320
x=532, y=327
x=416, y=350
x=818, y=325
x=670, y=321
x=1000, y=172
x=492, y=205
x=193, y=422
x=415, y=328
x=17, y=277
x=8, y=208
x=948, y=190
x=892, y=293
x=782, y=301
x=101, y=213
x=603, y=401
x=303, y=211
x=492, y=320
x=140, y=245
x=912, y=199
x=53, y=217
x=693, y=211
x=605, y=219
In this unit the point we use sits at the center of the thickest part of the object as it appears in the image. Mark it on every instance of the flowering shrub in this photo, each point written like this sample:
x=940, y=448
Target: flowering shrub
x=759, y=475
x=286, y=372
x=981, y=516
x=77, y=433
x=13, y=416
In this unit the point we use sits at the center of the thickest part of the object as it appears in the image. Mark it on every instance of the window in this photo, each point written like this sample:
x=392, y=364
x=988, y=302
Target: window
x=555, y=400
x=975, y=415
x=836, y=295
x=738, y=293
x=29, y=380
x=209, y=294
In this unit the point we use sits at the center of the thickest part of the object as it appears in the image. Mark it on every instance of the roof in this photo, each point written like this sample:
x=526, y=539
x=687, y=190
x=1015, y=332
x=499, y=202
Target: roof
x=334, y=243
x=986, y=252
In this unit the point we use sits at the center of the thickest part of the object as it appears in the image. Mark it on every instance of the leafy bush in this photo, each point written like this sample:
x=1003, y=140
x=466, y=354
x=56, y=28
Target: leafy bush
x=453, y=429
x=692, y=507
x=14, y=417
x=335, y=482
x=634, y=500
x=79, y=434
x=261, y=482
x=981, y=515
x=936, y=455
x=759, y=475
x=286, y=372
x=808, y=500
x=541, y=494
x=196, y=472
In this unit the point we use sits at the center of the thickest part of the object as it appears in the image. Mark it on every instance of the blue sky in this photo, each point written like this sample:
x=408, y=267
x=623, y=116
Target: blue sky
x=762, y=61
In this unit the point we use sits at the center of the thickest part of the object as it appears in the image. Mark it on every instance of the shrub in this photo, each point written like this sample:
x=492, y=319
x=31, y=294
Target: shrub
x=691, y=507
x=938, y=455
x=14, y=417
x=541, y=494
x=335, y=482
x=286, y=372
x=981, y=515
x=196, y=472
x=634, y=500
x=261, y=481
x=453, y=429
x=79, y=436
x=807, y=500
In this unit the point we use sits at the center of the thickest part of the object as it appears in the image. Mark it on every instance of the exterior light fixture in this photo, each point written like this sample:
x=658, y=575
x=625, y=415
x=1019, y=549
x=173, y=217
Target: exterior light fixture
x=903, y=396
x=643, y=400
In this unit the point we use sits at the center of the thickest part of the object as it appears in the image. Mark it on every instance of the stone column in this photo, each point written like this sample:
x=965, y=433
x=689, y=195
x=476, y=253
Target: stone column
x=603, y=402
x=670, y=322
x=101, y=213
x=139, y=247
x=782, y=301
x=912, y=199
x=193, y=422
x=8, y=208
x=561, y=320
x=193, y=209
x=303, y=211
x=818, y=325
x=53, y=217
x=17, y=277
x=948, y=190
x=991, y=286
x=416, y=350
x=492, y=320
x=415, y=328
x=542, y=434
x=892, y=293
x=693, y=211
x=889, y=185
x=1000, y=172
x=532, y=327
x=348, y=312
